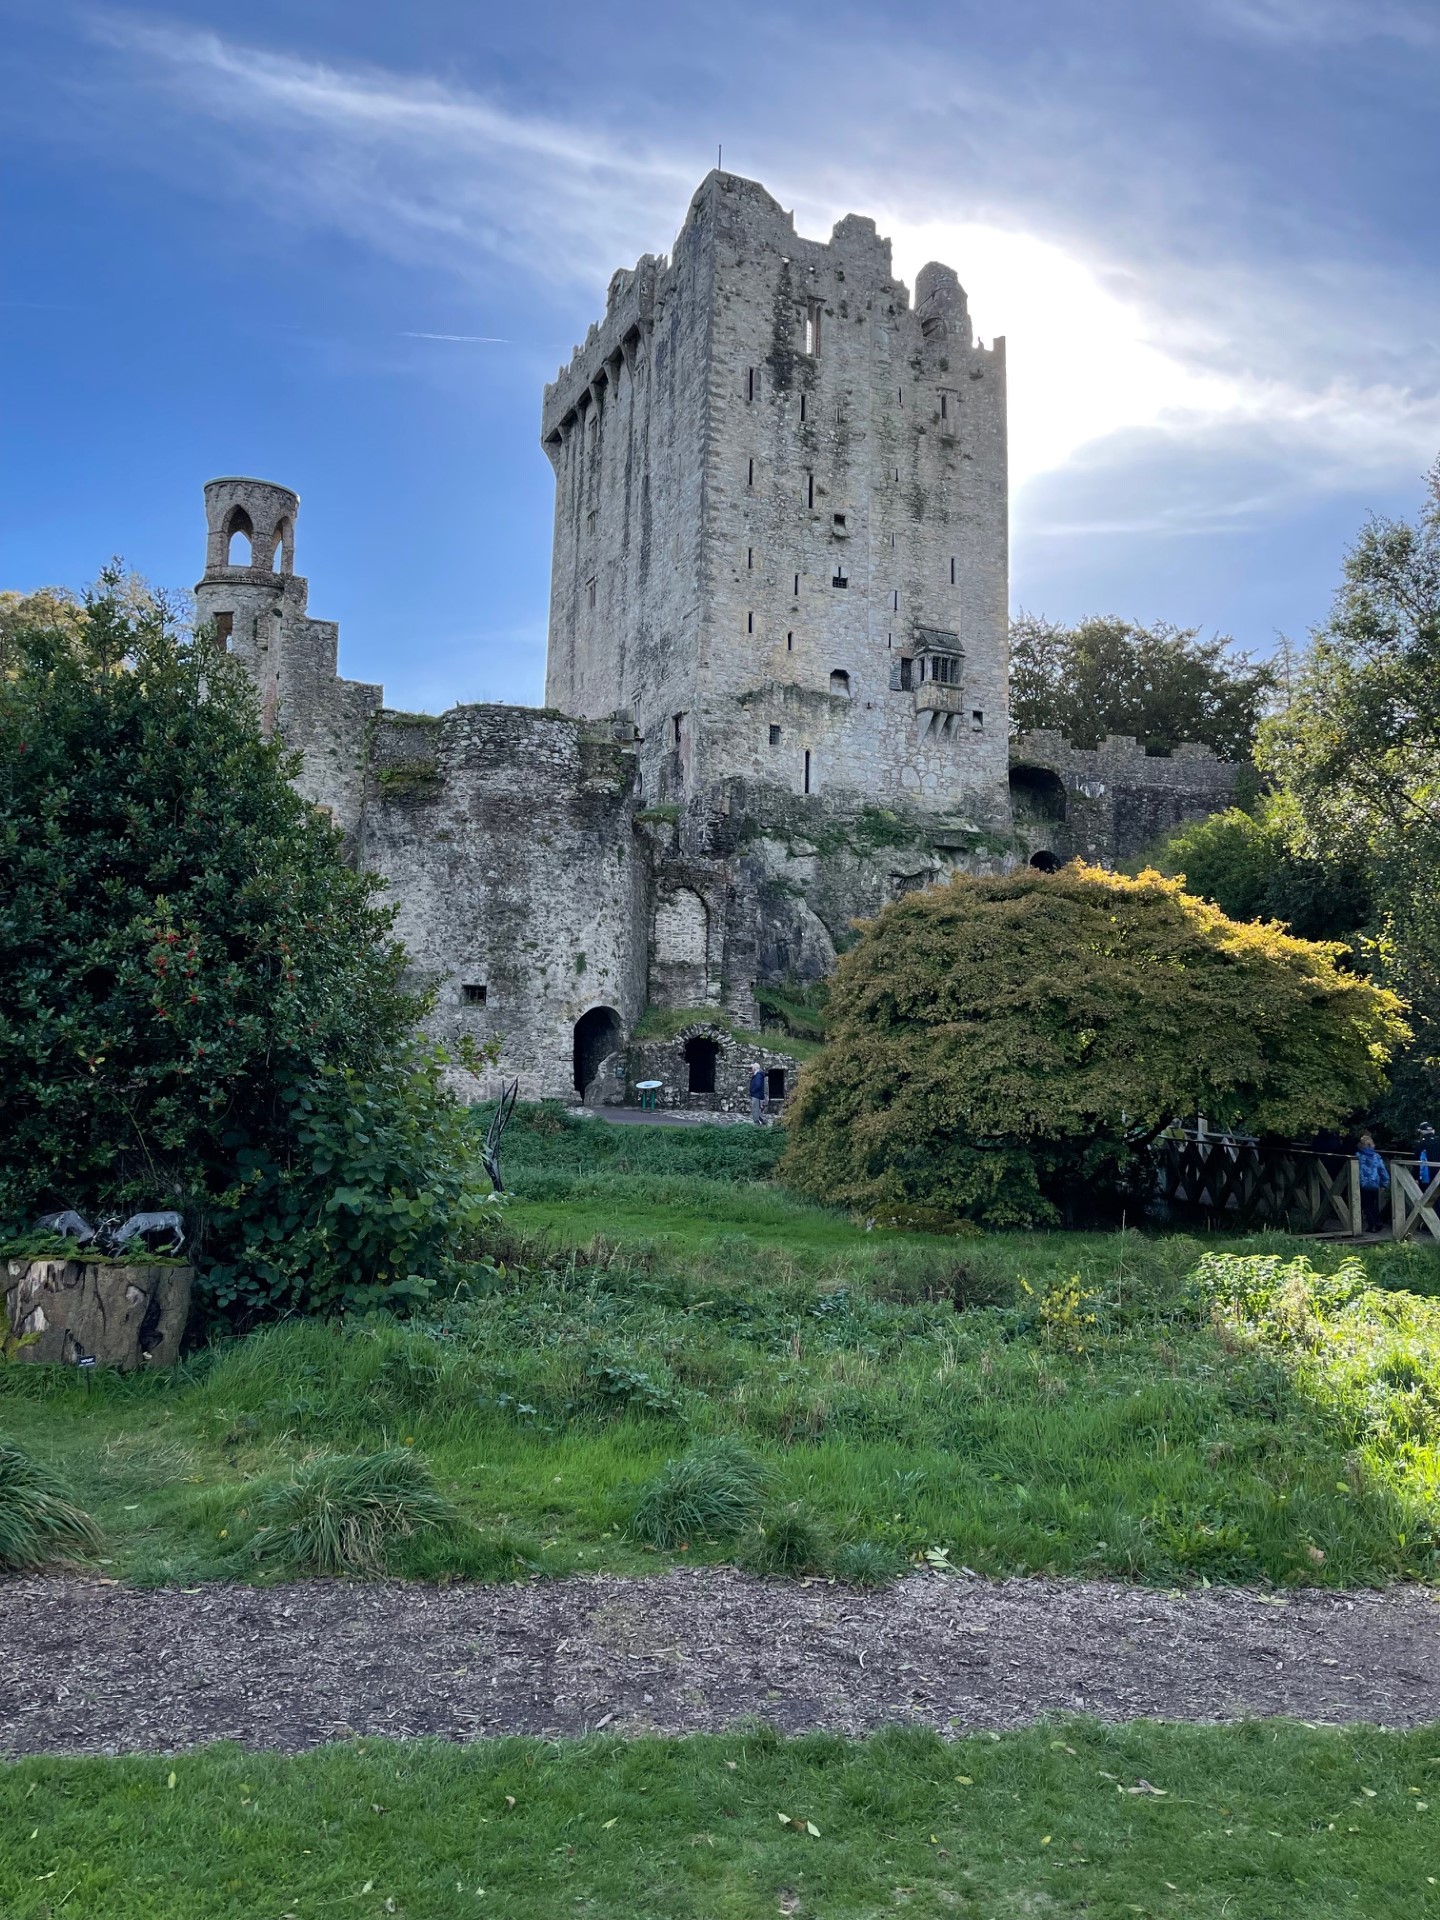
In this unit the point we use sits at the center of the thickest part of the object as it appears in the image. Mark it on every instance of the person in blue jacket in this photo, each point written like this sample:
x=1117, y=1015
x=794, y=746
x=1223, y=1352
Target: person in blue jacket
x=1424, y=1147
x=757, y=1094
x=1374, y=1179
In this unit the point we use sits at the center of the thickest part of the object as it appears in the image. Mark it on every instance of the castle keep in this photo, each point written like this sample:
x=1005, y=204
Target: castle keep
x=777, y=676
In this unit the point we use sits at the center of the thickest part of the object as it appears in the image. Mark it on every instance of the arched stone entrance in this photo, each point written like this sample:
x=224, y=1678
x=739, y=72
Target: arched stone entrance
x=597, y=1033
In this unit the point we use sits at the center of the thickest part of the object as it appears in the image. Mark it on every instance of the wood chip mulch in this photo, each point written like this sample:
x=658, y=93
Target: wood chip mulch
x=92, y=1666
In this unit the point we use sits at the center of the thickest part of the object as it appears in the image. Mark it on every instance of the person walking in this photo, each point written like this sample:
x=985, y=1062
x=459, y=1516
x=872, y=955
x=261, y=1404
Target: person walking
x=1424, y=1147
x=1374, y=1179
x=757, y=1093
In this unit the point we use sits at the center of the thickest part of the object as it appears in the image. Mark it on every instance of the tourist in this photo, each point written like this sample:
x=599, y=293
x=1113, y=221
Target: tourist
x=1424, y=1147
x=1374, y=1179
x=757, y=1093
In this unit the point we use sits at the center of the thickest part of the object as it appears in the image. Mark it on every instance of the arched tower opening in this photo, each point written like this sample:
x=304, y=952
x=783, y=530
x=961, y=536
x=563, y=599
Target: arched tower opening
x=597, y=1033
x=239, y=528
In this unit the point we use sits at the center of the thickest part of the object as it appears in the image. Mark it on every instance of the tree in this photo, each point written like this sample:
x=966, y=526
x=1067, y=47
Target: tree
x=197, y=995
x=1007, y=1048
x=1254, y=865
x=1162, y=684
x=1356, y=750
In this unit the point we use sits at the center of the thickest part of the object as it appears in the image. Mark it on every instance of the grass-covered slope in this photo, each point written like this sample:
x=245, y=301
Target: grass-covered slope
x=1065, y=1403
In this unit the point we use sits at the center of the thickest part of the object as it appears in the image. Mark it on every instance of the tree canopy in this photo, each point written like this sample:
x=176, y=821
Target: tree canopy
x=1356, y=752
x=1164, y=685
x=197, y=995
x=1004, y=1048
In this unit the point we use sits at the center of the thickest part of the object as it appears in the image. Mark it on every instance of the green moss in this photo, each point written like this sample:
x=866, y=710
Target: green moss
x=665, y=816
x=410, y=780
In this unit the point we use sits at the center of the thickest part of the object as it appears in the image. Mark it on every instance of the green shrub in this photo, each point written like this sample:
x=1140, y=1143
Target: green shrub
x=37, y=1520
x=340, y=1512
x=789, y=1540
x=1008, y=1048
x=713, y=1492
x=866, y=1563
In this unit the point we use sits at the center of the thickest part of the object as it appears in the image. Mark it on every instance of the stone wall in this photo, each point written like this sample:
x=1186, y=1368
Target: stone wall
x=703, y=1066
x=1110, y=803
x=505, y=837
x=780, y=491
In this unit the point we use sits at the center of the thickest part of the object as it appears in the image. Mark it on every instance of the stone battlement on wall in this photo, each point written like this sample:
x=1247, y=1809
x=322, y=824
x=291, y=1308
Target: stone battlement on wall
x=1110, y=803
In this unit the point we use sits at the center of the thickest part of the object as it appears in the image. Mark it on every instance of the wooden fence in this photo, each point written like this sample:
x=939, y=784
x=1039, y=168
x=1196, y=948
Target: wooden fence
x=1240, y=1183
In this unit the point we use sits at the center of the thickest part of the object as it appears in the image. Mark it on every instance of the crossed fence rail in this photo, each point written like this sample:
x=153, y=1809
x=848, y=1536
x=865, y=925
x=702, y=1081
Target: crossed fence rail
x=1244, y=1182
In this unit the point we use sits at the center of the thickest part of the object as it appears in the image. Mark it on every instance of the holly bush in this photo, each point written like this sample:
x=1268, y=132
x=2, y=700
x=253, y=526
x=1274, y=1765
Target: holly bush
x=201, y=1004
x=1007, y=1048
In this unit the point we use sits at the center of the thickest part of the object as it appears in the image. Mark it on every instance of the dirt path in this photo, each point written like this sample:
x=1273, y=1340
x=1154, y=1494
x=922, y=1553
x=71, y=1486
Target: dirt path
x=90, y=1667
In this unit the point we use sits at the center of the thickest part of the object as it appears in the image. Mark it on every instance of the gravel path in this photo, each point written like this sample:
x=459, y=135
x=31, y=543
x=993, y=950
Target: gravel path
x=95, y=1667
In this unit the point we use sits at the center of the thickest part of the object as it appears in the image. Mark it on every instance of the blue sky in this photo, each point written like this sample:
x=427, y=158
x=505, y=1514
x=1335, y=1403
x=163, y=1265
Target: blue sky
x=342, y=244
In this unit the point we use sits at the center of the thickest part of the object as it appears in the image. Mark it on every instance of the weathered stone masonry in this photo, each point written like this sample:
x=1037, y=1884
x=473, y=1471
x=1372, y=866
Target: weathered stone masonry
x=777, y=677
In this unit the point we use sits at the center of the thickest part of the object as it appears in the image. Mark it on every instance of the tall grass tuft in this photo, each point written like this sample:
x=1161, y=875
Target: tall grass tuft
x=713, y=1492
x=867, y=1563
x=790, y=1540
x=38, y=1522
x=340, y=1511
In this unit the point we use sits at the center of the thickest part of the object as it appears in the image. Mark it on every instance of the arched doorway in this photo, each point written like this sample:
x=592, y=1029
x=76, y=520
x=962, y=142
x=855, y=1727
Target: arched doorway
x=701, y=1054
x=596, y=1034
x=1045, y=861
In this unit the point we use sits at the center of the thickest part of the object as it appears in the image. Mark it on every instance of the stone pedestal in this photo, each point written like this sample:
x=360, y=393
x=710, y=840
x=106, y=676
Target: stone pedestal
x=119, y=1316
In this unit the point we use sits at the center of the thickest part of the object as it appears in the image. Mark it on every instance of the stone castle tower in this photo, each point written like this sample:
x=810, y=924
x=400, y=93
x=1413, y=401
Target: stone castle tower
x=780, y=519
x=777, y=684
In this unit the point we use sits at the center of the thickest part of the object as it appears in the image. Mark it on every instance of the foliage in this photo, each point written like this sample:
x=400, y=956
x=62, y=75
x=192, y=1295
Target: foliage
x=1357, y=750
x=1370, y=1357
x=790, y=1540
x=866, y=1564
x=339, y=1512
x=664, y=1023
x=1267, y=1820
x=1003, y=1048
x=196, y=986
x=38, y=1521
x=713, y=1492
x=796, y=1008
x=1256, y=866
x=916, y=1402
x=1163, y=685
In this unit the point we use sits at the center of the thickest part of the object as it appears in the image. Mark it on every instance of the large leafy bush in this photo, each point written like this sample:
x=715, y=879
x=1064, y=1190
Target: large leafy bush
x=1006, y=1048
x=200, y=1002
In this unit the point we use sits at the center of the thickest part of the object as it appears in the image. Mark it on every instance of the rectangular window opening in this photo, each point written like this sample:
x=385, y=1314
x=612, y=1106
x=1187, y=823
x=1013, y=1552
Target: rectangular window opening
x=895, y=600
x=796, y=594
x=838, y=520
x=907, y=674
x=789, y=643
x=591, y=519
x=473, y=995
x=679, y=725
x=897, y=476
x=750, y=473
x=224, y=631
x=802, y=409
x=751, y=383
x=944, y=406
x=977, y=720
x=841, y=579
x=812, y=328
x=750, y=560
x=807, y=770
x=952, y=569
x=590, y=593
x=774, y=736
x=899, y=396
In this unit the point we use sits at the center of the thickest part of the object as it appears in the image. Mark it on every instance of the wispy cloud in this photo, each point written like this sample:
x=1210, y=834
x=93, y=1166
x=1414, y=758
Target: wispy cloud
x=460, y=339
x=1160, y=325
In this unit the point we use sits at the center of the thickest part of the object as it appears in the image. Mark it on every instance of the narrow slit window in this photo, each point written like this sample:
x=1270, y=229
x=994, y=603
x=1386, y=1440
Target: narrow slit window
x=812, y=328
x=473, y=995
x=952, y=569
x=899, y=396
x=749, y=473
x=907, y=674
x=789, y=643
x=897, y=476
x=796, y=593
x=591, y=521
x=802, y=409
x=750, y=623
x=750, y=562
x=751, y=383
x=807, y=769
x=809, y=489
x=590, y=593
x=895, y=600
x=774, y=736
x=944, y=406
x=892, y=539
x=679, y=728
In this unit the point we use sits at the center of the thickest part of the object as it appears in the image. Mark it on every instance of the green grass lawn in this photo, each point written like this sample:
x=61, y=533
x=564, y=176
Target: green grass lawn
x=1057, y=1403
x=1260, y=1822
